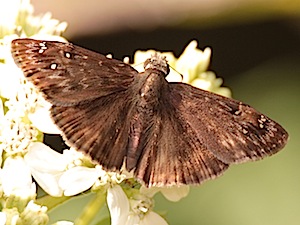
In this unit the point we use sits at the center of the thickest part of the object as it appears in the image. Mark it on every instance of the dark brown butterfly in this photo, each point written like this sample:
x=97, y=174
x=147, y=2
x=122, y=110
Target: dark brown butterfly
x=167, y=133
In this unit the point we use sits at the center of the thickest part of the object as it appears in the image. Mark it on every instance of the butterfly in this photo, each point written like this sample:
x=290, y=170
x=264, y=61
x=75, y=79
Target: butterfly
x=167, y=133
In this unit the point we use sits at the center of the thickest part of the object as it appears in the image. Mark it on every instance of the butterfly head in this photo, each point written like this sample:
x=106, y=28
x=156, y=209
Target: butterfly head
x=157, y=62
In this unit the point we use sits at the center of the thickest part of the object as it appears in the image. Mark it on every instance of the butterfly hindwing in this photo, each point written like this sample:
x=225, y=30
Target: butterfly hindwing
x=172, y=153
x=63, y=70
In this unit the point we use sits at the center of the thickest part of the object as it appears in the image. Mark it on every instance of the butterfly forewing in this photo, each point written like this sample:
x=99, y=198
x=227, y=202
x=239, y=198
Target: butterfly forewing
x=62, y=71
x=166, y=133
x=233, y=131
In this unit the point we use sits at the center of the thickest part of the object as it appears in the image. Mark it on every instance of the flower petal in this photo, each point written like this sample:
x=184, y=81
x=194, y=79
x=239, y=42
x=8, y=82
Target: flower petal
x=46, y=167
x=44, y=159
x=63, y=222
x=41, y=119
x=118, y=205
x=175, y=193
x=193, y=61
x=153, y=218
x=16, y=175
x=9, y=88
x=77, y=180
x=48, y=182
x=2, y=218
x=133, y=219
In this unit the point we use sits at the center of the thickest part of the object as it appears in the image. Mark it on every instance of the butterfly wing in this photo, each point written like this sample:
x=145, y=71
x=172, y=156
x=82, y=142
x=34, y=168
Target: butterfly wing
x=197, y=134
x=63, y=70
x=97, y=128
x=173, y=155
x=233, y=131
x=87, y=92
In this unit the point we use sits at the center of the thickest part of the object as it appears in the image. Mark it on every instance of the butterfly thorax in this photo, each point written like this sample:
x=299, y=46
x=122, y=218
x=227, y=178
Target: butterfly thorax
x=148, y=102
x=152, y=81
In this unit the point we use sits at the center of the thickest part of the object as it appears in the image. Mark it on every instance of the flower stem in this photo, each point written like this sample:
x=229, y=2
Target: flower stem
x=91, y=209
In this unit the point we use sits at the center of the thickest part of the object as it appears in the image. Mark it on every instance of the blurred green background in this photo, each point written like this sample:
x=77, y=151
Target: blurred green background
x=256, y=49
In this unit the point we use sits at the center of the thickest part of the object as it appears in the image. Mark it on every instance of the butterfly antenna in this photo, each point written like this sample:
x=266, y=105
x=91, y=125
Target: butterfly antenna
x=138, y=64
x=177, y=72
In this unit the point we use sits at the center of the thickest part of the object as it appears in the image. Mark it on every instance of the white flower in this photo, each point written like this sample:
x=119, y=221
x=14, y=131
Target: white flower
x=78, y=179
x=63, y=222
x=16, y=178
x=65, y=174
x=41, y=119
x=34, y=214
x=193, y=61
x=16, y=16
x=9, y=12
x=134, y=211
x=150, y=218
x=118, y=205
x=173, y=193
x=59, y=174
x=10, y=74
x=15, y=134
x=11, y=215
x=2, y=218
x=46, y=167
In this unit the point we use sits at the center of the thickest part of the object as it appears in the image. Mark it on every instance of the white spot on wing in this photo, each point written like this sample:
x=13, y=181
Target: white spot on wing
x=43, y=47
x=68, y=55
x=245, y=131
x=53, y=66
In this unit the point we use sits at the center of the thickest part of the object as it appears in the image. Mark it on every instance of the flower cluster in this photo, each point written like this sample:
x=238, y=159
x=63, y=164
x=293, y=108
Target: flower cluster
x=25, y=117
